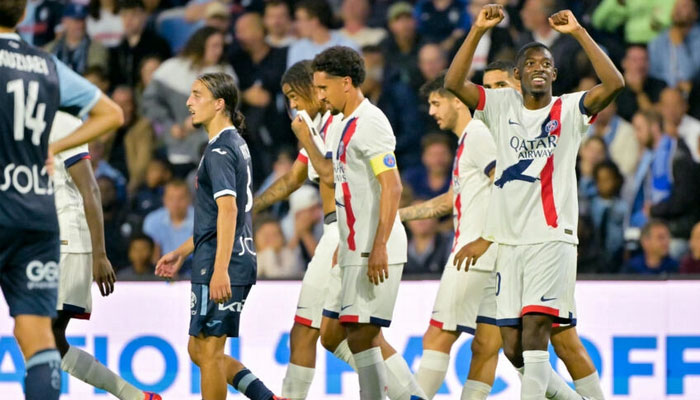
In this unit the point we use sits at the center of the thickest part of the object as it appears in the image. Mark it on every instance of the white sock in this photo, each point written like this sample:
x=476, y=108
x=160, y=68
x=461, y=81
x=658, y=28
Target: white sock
x=343, y=352
x=590, y=387
x=536, y=375
x=557, y=389
x=475, y=390
x=432, y=370
x=84, y=367
x=372, y=373
x=400, y=381
x=297, y=382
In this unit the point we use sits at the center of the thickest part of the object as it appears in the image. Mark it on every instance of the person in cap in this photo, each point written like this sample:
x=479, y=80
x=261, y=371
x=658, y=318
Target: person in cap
x=402, y=44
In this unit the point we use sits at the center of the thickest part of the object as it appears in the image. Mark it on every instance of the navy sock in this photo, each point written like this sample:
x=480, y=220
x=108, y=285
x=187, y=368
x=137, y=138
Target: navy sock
x=252, y=387
x=43, y=379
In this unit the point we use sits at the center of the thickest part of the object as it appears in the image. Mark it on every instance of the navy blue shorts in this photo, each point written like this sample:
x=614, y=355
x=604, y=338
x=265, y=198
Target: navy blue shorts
x=29, y=271
x=212, y=319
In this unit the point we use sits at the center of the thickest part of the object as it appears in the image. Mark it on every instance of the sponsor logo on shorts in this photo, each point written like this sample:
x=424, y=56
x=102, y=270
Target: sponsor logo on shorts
x=42, y=275
x=193, y=300
x=344, y=307
x=236, y=306
x=544, y=299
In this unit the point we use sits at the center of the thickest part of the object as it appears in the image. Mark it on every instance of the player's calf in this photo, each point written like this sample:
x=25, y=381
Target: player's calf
x=512, y=345
x=570, y=350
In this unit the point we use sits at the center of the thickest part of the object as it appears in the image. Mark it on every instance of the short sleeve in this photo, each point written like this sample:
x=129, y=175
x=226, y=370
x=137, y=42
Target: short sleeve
x=493, y=104
x=63, y=125
x=582, y=119
x=77, y=94
x=221, y=167
x=374, y=136
x=481, y=147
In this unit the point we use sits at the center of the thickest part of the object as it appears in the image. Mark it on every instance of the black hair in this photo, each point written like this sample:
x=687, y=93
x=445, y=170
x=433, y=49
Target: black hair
x=96, y=70
x=371, y=48
x=131, y=4
x=436, y=85
x=11, y=12
x=319, y=9
x=646, y=230
x=612, y=167
x=196, y=44
x=341, y=61
x=532, y=45
x=222, y=86
x=435, y=138
x=141, y=236
x=300, y=78
x=500, y=65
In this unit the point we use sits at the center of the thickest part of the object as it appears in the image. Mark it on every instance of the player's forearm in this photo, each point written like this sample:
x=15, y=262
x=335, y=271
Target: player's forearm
x=322, y=165
x=92, y=205
x=278, y=191
x=225, y=235
x=459, y=68
x=104, y=117
x=186, y=248
x=388, y=207
x=436, y=207
x=611, y=79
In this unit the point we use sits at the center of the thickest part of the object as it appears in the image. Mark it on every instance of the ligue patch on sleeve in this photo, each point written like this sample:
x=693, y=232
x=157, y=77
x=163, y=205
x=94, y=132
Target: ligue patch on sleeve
x=390, y=160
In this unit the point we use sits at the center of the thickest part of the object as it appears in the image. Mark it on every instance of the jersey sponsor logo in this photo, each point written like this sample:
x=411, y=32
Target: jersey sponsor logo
x=236, y=306
x=42, y=275
x=23, y=62
x=24, y=179
x=540, y=147
x=246, y=152
x=390, y=160
x=247, y=245
x=218, y=150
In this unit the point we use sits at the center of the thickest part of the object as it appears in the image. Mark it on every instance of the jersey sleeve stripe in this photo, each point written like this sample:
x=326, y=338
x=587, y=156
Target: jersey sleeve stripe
x=74, y=159
x=489, y=167
x=583, y=110
x=303, y=159
x=482, y=98
x=225, y=192
x=90, y=105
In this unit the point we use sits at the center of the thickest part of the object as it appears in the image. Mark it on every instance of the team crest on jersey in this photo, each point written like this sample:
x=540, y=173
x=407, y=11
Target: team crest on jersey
x=341, y=149
x=390, y=160
x=551, y=126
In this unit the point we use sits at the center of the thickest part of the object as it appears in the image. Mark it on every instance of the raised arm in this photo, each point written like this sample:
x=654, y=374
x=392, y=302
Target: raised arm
x=322, y=165
x=456, y=77
x=282, y=187
x=611, y=79
x=436, y=207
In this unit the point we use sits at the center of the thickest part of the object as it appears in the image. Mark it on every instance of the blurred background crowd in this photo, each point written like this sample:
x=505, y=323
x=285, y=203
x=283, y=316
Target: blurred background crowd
x=638, y=169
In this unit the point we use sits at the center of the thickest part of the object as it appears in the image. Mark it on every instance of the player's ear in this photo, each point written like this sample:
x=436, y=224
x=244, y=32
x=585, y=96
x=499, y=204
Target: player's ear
x=219, y=104
x=554, y=74
x=516, y=73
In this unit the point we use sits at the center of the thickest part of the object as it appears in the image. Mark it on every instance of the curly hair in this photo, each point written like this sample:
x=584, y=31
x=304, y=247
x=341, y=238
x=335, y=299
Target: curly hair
x=300, y=78
x=341, y=61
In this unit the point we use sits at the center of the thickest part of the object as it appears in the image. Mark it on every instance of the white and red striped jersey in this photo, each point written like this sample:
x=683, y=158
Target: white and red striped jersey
x=362, y=136
x=319, y=127
x=534, y=198
x=471, y=189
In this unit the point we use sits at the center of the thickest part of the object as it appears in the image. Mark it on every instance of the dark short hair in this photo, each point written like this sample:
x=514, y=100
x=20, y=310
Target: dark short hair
x=341, y=61
x=371, y=48
x=612, y=167
x=319, y=9
x=196, y=44
x=500, y=65
x=96, y=70
x=300, y=78
x=131, y=4
x=141, y=236
x=435, y=138
x=178, y=183
x=435, y=85
x=11, y=11
x=646, y=230
x=222, y=86
x=532, y=45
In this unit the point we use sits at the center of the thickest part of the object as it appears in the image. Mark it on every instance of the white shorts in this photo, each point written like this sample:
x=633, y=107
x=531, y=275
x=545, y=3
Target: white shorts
x=74, y=285
x=538, y=278
x=464, y=299
x=317, y=284
x=334, y=299
x=366, y=303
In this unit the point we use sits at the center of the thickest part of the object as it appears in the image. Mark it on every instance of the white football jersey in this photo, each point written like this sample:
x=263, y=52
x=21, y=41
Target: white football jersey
x=534, y=198
x=75, y=235
x=360, y=137
x=471, y=189
x=319, y=128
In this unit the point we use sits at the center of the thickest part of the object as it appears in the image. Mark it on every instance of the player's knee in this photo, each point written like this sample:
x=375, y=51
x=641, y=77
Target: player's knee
x=192, y=349
x=484, y=347
x=566, y=348
x=329, y=341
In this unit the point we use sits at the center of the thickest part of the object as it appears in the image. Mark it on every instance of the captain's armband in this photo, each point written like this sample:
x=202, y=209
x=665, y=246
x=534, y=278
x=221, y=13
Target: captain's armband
x=383, y=162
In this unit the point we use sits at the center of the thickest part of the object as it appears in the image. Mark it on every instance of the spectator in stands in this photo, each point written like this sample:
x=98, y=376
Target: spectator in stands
x=195, y=10
x=104, y=24
x=401, y=46
x=608, y=212
x=148, y=67
x=642, y=20
x=165, y=97
x=690, y=264
x=275, y=259
x=678, y=123
x=282, y=163
x=637, y=190
x=675, y=54
x=141, y=267
x=432, y=61
x=138, y=42
x=217, y=15
x=442, y=21
x=654, y=259
x=592, y=153
x=428, y=249
x=98, y=77
x=641, y=91
x=432, y=178
x=620, y=139
x=278, y=24
x=41, y=20
x=354, y=14
x=117, y=229
x=565, y=50
x=74, y=47
x=383, y=87
x=314, y=20
x=172, y=224
x=103, y=168
x=149, y=195
x=260, y=68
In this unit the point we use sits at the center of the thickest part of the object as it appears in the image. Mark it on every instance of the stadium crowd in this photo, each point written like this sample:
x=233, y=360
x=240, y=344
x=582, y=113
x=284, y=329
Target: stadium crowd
x=638, y=170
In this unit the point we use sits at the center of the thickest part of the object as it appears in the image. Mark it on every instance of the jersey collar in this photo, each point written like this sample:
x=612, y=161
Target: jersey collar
x=220, y=132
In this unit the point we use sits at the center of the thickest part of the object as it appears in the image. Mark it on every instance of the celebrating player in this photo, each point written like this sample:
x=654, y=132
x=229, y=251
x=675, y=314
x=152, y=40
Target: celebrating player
x=34, y=85
x=372, y=248
x=223, y=268
x=83, y=256
x=533, y=212
x=466, y=301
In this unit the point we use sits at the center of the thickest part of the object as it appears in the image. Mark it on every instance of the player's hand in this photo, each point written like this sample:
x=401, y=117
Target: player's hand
x=489, y=16
x=103, y=274
x=378, y=265
x=169, y=264
x=300, y=129
x=564, y=22
x=470, y=253
x=50, y=161
x=220, y=287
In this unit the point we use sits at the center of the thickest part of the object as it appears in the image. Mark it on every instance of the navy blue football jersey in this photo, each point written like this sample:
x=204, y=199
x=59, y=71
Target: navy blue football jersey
x=224, y=170
x=33, y=86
